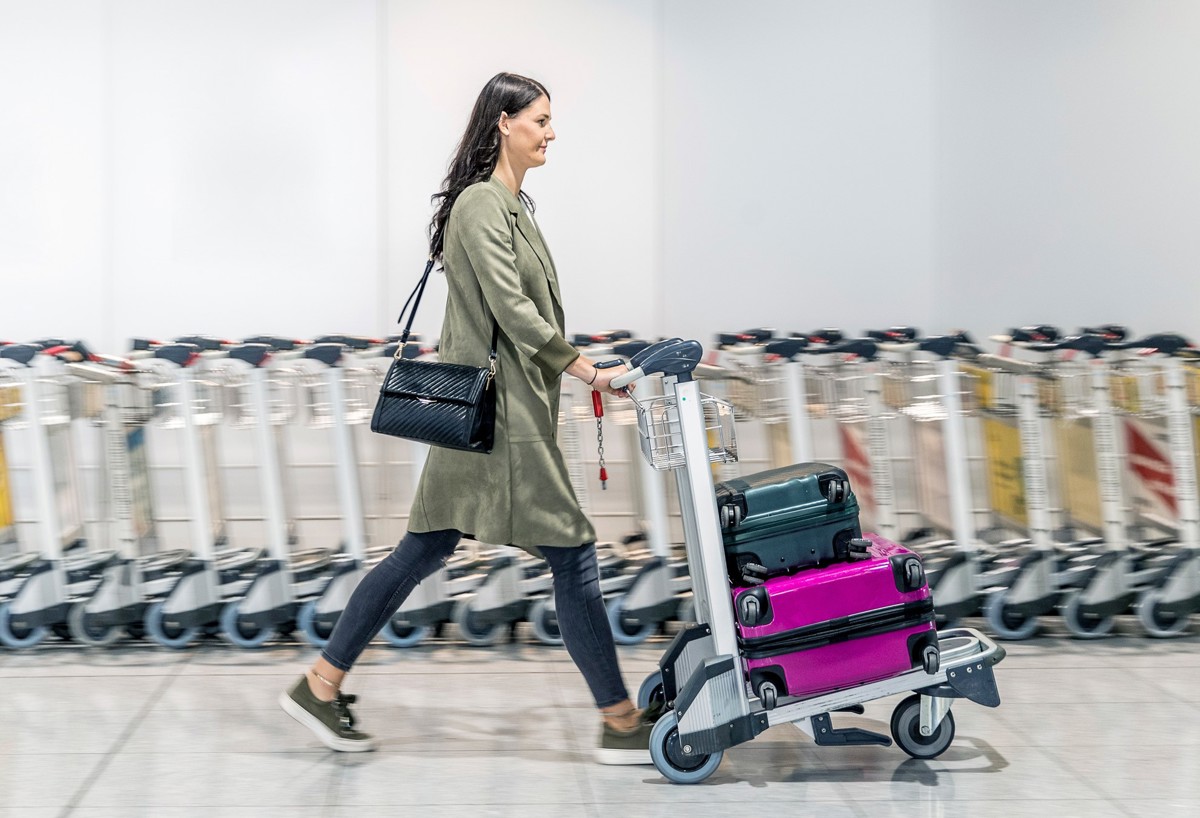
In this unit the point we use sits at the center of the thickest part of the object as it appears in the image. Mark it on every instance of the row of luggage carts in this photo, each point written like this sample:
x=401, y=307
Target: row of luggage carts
x=1053, y=477
x=168, y=493
x=175, y=493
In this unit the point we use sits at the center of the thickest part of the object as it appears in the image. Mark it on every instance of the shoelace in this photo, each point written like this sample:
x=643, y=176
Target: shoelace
x=341, y=705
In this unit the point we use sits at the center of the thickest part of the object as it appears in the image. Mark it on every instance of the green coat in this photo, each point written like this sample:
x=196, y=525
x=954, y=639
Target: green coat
x=498, y=267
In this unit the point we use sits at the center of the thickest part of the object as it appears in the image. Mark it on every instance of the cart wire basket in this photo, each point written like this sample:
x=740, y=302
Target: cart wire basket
x=662, y=440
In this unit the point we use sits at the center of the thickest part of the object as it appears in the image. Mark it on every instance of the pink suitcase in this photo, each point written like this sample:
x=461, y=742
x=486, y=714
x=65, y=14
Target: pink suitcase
x=838, y=626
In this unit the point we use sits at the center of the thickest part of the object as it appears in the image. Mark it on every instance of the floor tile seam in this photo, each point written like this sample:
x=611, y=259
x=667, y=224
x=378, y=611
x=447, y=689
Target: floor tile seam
x=90, y=780
x=583, y=782
x=1095, y=787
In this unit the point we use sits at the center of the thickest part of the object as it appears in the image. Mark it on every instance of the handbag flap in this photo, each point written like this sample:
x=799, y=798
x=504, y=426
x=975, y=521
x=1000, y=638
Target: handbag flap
x=435, y=381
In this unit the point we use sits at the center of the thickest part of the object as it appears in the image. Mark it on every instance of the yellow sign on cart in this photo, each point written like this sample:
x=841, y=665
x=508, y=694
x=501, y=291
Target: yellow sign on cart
x=1006, y=483
x=6, y=510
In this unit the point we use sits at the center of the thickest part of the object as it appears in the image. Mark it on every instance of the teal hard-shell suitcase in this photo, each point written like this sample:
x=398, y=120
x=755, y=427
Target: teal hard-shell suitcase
x=789, y=518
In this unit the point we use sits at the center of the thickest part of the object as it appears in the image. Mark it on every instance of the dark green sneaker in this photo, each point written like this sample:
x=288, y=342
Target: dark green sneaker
x=619, y=747
x=331, y=722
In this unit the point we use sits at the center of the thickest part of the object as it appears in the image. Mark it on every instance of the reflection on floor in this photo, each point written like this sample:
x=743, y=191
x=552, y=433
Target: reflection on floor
x=1107, y=728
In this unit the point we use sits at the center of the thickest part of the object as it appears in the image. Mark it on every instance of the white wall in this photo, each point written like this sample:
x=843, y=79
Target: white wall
x=244, y=166
x=1068, y=175
x=796, y=165
x=53, y=144
x=597, y=194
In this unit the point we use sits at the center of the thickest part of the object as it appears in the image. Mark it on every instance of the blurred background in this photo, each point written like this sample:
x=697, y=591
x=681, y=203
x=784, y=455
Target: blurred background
x=237, y=167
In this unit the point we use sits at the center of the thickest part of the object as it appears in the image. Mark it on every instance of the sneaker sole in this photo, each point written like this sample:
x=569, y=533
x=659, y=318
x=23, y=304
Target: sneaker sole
x=327, y=737
x=608, y=755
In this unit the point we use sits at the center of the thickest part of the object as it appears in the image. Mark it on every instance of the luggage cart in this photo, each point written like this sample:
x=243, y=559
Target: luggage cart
x=140, y=573
x=187, y=402
x=40, y=589
x=1023, y=402
x=860, y=391
x=1170, y=398
x=282, y=580
x=702, y=677
x=945, y=456
x=1094, y=480
x=10, y=408
x=341, y=396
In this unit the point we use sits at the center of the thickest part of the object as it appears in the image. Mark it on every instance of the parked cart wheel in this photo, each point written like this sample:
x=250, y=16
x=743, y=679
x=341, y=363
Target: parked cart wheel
x=545, y=622
x=1006, y=622
x=471, y=628
x=400, y=634
x=906, y=730
x=627, y=630
x=18, y=636
x=1082, y=624
x=315, y=632
x=651, y=690
x=85, y=629
x=164, y=634
x=239, y=635
x=670, y=758
x=1154, y=620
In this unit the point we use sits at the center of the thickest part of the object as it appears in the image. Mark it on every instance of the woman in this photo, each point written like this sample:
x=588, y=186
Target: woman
x=499, y=273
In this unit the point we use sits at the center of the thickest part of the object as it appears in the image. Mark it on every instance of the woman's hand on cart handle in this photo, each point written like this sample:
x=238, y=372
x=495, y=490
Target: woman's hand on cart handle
x=622, y=380
x=606, y=373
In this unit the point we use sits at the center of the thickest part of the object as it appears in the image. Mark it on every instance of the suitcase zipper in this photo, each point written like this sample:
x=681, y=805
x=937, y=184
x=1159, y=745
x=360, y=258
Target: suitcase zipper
x=855, y=626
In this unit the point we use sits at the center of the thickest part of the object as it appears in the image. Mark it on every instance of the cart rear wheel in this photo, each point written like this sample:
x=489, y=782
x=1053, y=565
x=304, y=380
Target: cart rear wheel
x=670, y=759
x=1006, y=622
x=87, y=631
x=1154, y=620
x=18, y=636
x=475, y=632
x=164, y=634
x=906, y=730
x=651, y=690
x=400, y=634
x=545, y=622
x=314, y=631
x=1083, y=624
x=239, y=635
x=627, y=630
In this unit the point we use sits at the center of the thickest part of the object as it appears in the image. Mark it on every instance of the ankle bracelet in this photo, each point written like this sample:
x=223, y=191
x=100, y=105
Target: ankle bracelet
x=326, y=681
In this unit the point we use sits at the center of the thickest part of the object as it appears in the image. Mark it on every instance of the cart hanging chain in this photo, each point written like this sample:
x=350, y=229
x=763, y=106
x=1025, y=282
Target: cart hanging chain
x=598, y=411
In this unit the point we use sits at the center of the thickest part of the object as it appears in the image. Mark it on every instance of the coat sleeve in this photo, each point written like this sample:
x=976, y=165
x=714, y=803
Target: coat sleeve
x=486, y=234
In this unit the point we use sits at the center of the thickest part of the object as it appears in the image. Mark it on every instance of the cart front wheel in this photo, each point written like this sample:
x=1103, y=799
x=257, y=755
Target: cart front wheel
x=670, y=758
x=906, y=730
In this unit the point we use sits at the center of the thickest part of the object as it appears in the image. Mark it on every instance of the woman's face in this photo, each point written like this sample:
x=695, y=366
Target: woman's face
x=527, y=133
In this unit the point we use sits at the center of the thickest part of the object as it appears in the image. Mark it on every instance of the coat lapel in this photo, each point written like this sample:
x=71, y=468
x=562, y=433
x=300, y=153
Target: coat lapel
x=530, y=234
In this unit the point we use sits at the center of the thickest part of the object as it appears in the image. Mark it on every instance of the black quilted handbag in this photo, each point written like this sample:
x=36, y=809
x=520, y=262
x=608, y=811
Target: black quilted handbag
x=448, y=405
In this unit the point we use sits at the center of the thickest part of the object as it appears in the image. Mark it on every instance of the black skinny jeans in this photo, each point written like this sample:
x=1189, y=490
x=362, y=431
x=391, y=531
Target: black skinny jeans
x=578, y=603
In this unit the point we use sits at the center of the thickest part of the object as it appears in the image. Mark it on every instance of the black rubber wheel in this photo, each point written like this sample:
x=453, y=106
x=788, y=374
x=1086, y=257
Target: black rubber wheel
x=906, y=730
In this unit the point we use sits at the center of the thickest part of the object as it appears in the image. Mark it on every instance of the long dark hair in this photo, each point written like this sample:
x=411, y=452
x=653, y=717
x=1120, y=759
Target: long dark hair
x=479, y=149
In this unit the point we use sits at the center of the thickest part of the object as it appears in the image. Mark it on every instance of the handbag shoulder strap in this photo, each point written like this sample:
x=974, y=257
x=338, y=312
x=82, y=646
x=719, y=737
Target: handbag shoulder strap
x=414, y=300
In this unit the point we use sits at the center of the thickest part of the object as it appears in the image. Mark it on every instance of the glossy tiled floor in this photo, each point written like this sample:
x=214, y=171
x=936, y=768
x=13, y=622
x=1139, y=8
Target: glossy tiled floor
x=1086, y=729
